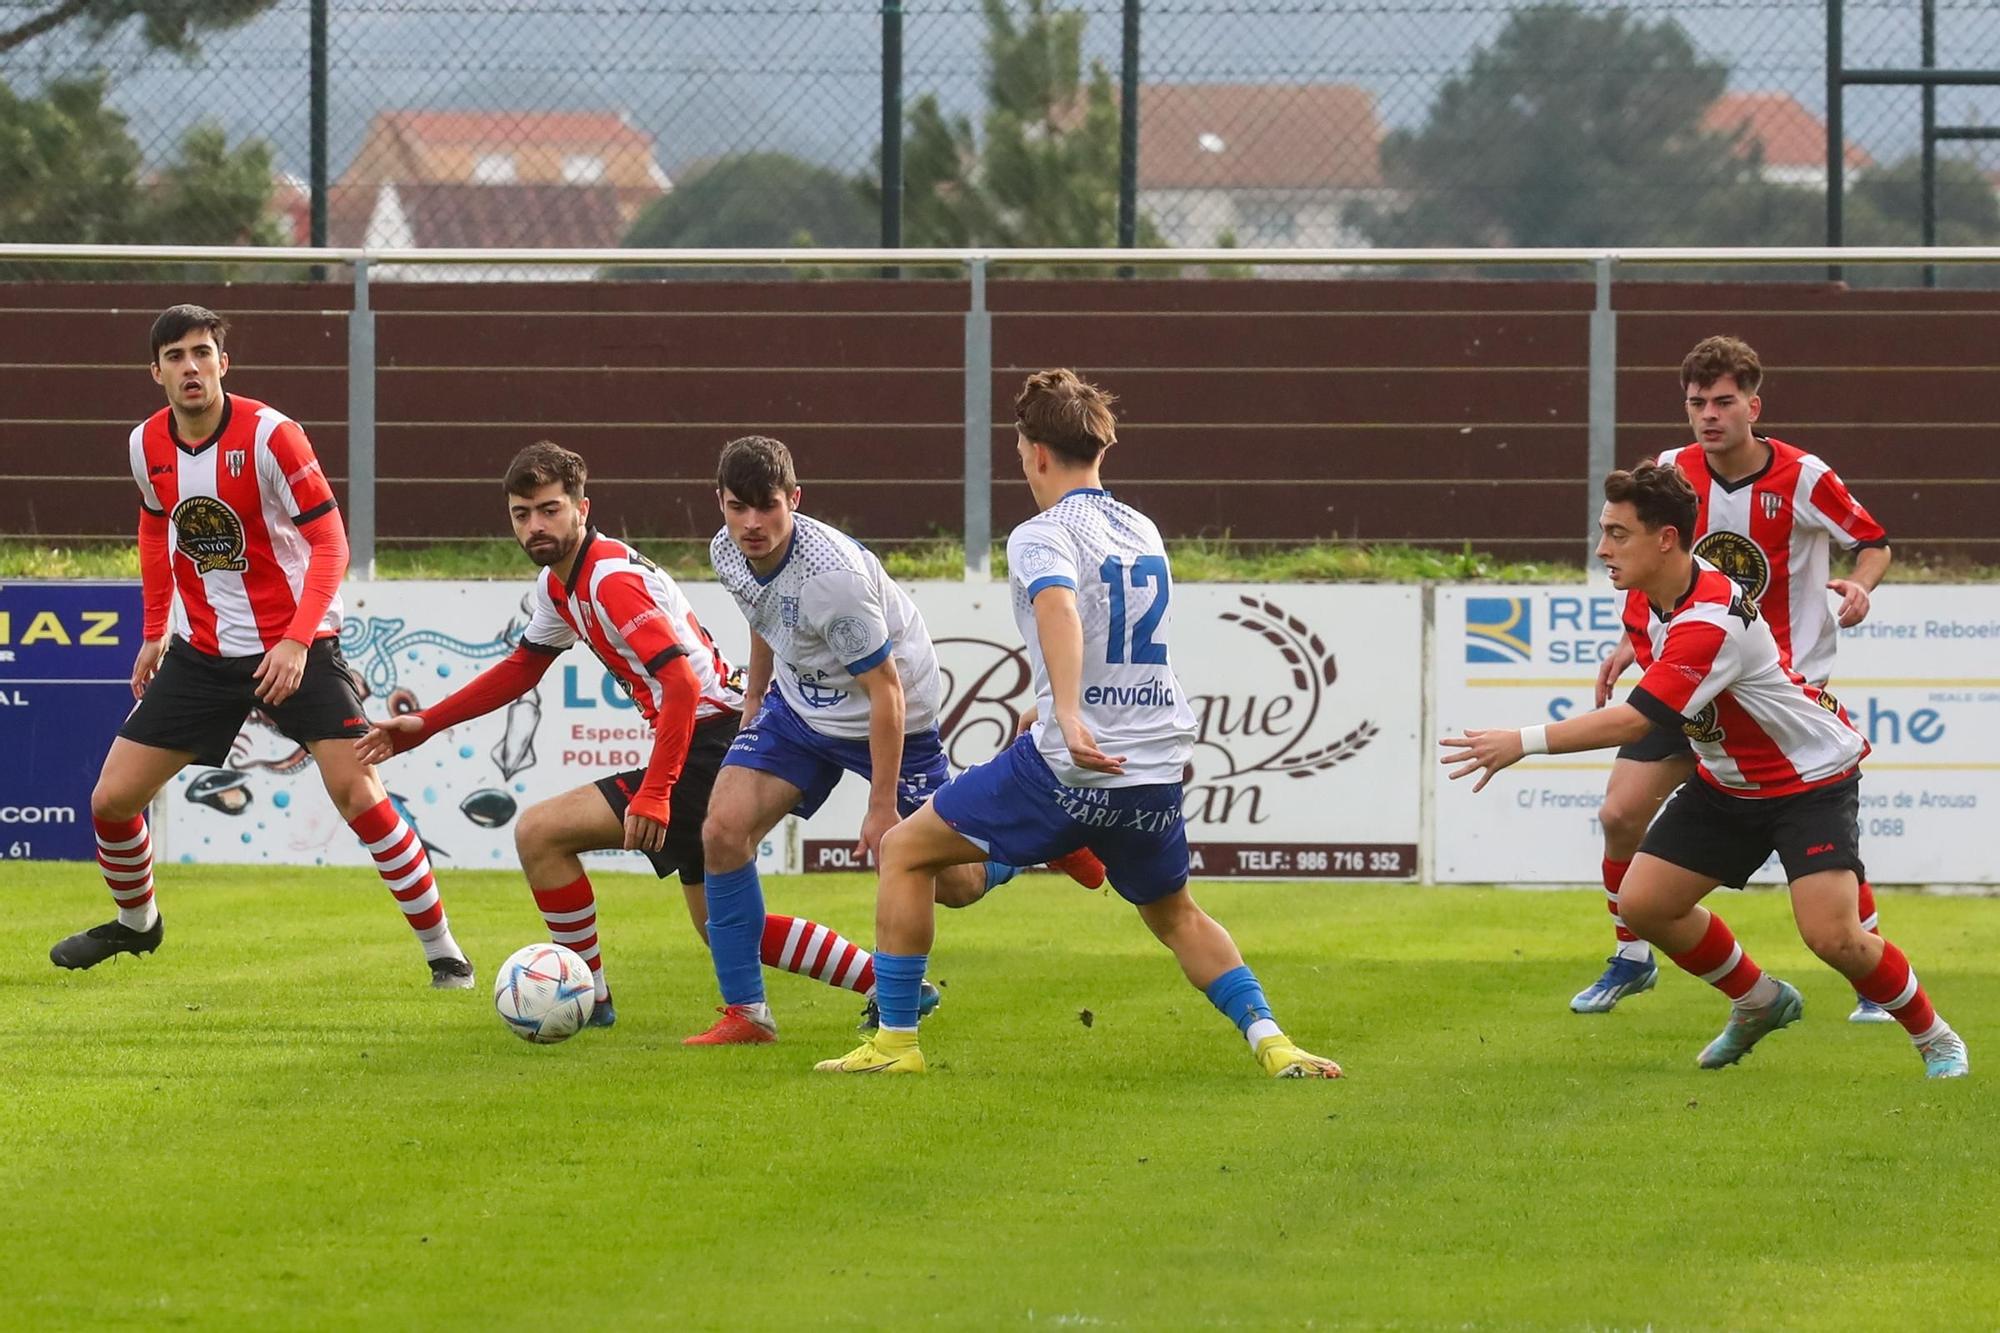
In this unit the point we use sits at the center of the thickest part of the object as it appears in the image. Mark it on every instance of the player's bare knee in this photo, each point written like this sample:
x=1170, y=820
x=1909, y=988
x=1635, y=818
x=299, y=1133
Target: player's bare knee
x=1623, y=822
x=960, y=886
x=724, y=843
x=531, y=832
x=1644, y=916
x=112, y=803
x=1841, y=945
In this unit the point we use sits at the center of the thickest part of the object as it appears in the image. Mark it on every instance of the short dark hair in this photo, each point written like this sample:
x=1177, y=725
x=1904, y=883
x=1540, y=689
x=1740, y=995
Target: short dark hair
x=178, y=321
x=544, y=463
x=1661, y=495
x=1067, y=413
x=755, y=469
x=1712, y=358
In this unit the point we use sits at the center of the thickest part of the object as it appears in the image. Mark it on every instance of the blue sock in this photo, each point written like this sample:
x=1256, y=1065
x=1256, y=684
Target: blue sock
x=1236, y=993
x=897, y=979
x=998, y=874
x=736, y=932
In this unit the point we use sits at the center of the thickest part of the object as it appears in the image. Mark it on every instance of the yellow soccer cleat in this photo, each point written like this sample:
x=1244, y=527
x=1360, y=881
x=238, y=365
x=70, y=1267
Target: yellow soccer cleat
x=1281, y=1059
x=870, y=1058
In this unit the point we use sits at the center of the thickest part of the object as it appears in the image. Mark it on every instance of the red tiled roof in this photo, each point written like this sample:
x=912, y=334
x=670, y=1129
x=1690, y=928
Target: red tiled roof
x=1227, y=136
x=1791, y=135
x=486, y=216
x=514, y=129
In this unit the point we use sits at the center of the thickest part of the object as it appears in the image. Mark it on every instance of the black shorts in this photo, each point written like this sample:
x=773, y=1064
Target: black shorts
x=198, y=702
x=1657, y=746
x=1727, y=837
x=687, y=807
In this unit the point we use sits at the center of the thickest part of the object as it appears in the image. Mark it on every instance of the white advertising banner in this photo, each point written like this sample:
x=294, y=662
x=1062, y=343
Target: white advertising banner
x=1309, y=698
x=1919, y=678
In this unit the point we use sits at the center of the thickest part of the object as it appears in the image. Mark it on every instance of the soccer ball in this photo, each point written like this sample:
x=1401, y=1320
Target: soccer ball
x=544, y=993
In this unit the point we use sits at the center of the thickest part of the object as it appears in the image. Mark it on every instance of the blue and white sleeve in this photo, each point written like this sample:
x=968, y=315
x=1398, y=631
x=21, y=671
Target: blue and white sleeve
x=1038, y=559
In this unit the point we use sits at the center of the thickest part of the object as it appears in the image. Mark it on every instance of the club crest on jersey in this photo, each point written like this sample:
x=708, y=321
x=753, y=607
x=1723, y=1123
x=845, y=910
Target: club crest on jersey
x=1704, y=727
x=1772, y=503
x=234, y=459
x=788, y=611
x=208, y=532
x=1740, y=558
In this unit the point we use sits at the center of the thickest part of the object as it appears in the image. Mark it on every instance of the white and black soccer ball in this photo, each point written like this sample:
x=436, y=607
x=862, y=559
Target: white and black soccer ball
x=544, y=993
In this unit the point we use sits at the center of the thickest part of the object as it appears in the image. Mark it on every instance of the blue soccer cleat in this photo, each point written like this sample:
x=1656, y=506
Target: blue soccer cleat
x=1624, y=976
x=929, y=997
x=1945, y=1056
x=602, y=1015
x=1747, y=1027
x=1867, y=1011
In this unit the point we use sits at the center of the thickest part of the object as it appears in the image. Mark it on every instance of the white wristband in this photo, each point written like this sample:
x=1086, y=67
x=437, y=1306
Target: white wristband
x=1535, y=740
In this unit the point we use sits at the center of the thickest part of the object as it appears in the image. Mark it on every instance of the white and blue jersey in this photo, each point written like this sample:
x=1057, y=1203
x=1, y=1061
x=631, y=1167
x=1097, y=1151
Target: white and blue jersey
x=830, y=612
x=1112, y=557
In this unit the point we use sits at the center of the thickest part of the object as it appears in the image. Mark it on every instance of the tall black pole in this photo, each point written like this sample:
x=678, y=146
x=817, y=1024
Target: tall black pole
x=318, y=122
x=1128, y=130
x=1836, y=134
x=1930, y=138
x=892, y=127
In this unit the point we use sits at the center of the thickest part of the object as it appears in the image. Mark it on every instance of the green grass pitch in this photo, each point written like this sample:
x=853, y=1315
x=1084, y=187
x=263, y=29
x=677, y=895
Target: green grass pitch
x=275, y=1123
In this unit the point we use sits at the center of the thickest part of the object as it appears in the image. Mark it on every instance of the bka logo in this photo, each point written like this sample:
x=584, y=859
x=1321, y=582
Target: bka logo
x=234, y=459
x=1497, y=629
x=209, y=533
x=1740, y=558
x=1772, y=502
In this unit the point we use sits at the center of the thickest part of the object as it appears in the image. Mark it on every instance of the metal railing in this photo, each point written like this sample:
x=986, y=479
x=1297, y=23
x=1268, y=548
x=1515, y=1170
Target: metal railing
x=1601, y=264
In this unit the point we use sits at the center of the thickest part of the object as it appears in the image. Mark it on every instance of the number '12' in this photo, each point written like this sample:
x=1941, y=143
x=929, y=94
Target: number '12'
x=1146, y=569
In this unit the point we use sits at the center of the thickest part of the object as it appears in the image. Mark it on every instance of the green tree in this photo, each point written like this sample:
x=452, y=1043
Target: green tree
x=171, y=25
x=756, y=200
x=70, y=172
x=1044, y=170
x=1571, y=128
x=1893, y=197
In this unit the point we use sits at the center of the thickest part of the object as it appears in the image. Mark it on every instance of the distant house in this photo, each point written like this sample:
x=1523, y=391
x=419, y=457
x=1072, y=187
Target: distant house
x=1271, y=164
x=477, y=217
x=1791, y=138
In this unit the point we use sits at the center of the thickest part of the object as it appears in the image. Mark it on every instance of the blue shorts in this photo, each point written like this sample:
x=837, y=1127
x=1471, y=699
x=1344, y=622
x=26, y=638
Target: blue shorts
x=1016, y=810
x=779, y=744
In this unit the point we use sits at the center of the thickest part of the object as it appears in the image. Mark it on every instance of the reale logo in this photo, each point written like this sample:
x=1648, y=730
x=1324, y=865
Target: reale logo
x=1498, y=629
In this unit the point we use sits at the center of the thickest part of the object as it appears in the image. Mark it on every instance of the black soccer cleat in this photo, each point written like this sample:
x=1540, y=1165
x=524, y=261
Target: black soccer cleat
x=93, y=946
x=451, y=974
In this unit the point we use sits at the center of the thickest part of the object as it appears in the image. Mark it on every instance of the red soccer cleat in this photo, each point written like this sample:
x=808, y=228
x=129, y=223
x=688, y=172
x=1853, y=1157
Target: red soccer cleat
x=1082, y=866
x=736, y=1027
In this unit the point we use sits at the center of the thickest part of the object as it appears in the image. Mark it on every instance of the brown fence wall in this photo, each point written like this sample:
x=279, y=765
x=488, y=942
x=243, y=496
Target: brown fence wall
x=1432, y=412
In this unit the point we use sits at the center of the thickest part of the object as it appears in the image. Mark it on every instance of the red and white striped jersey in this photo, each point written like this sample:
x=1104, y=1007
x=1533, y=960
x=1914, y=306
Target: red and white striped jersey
x=636, y=619
x=1712, y=668
x=1772, y=532
x=234, y=503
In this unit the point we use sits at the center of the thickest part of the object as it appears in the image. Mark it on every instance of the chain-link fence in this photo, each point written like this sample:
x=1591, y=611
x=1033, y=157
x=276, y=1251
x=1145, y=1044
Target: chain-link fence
x=1260, y=122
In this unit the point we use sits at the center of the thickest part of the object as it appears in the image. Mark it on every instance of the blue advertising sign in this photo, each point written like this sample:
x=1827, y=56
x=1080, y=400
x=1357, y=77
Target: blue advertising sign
x=66, y=651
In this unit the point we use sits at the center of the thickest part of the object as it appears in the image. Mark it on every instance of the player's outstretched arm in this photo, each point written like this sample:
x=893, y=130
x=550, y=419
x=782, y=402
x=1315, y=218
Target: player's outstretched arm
x=1487, y=752
x=1869, y=567
x=1060, y=630
x=883, y=685
x=502, y=683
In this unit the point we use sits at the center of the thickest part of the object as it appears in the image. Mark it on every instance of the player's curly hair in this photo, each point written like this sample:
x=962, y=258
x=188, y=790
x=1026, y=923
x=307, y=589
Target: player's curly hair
x=178, y=321
x=1067, y=413
x=756, y=469
x=1713, y=358
x=1661, y=495
x=545, y=463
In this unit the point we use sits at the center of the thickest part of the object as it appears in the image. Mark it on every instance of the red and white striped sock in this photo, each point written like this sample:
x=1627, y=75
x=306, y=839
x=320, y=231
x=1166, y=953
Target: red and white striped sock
x=1869, y=917
x=125, y=857
x=795, y=944
x=1894, y=986
x=1629, y=945
x=403, y=865
x=1720, y=961
x=570, y=913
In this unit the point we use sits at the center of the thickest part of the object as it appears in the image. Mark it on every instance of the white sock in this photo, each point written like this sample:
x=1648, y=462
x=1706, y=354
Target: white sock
x=1637, y=950
x=1259, y=1029
x=139, y=918
x=761, y=1013
x=1761, y=995
x=438, y=943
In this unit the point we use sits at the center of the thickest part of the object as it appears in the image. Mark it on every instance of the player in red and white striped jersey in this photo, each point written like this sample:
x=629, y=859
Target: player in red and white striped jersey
x=240, y=540
x=1768, y=515
x=1779, y=770
x=634, y=618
